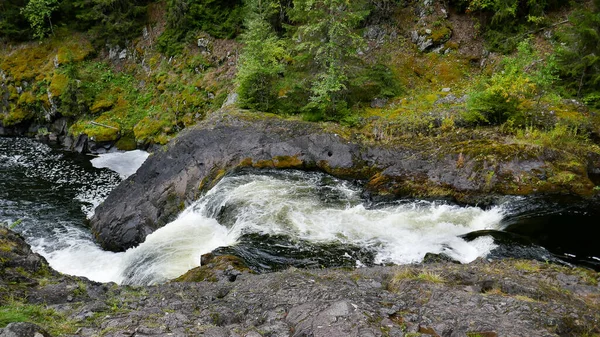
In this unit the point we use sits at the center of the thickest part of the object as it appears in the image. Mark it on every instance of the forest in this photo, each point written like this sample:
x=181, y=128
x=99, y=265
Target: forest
x=148, y=69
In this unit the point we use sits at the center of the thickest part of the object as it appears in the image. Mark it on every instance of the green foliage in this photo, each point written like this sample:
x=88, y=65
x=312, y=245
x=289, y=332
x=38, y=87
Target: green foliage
x=509, y=93
x=37, y=13
x=111, y=21
x=505, y=21
x=579, y=55
x=219, y=18
x=13, y=24
x=262, y=59
x=55, y=323
x=376, y=81
x=328, y=44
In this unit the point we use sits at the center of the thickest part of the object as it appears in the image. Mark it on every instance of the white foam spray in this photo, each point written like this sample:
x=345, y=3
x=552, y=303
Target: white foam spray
x=306, y=206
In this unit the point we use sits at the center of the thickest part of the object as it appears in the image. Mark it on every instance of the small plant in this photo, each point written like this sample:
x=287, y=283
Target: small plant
x=430, y=276
x=11, y=225
x=525, y=265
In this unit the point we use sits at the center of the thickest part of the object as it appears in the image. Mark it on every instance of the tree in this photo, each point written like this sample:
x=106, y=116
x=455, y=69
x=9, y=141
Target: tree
x=328, y=42
x=262, y=58
x=37, y=12
x=13, y=24
x=579, y=55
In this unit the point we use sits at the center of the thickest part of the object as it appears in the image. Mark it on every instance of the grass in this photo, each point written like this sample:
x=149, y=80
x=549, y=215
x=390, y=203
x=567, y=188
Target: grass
x=407, y=274
x=527, y=265
x=55, y=323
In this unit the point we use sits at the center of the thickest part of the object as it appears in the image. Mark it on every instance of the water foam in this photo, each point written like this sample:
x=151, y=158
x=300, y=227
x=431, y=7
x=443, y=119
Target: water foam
x=307, y=206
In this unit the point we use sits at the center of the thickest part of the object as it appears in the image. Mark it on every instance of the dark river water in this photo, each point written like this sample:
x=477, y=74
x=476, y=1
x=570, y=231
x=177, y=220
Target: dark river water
x=273, y=220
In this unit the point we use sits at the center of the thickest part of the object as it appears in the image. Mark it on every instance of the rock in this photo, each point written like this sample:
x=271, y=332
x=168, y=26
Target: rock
x=231, y=100
x=204, y=45
x=446, y=89
x=438, y=258
x=199, y=156
x=23, y=329
x=81, y=144
x=379, y=103
x=423, y=42
x=328, y=302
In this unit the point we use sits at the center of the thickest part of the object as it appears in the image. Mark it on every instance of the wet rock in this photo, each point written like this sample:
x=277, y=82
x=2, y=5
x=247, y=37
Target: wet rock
x=438, y=258
x=81, y=144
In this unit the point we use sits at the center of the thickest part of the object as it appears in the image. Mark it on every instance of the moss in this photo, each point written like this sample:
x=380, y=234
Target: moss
x=74, y=50
x=126, y=143
x=26, y=98
x=102, y=104
x=441, y=34
x=104, y=131
x=212, y=265
x=7, y=245
x=154, y=129
x=58, y=84
x=16, y=116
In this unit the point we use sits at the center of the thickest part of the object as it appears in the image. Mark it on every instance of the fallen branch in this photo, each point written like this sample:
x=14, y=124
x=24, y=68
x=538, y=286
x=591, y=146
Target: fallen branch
x=104, y=125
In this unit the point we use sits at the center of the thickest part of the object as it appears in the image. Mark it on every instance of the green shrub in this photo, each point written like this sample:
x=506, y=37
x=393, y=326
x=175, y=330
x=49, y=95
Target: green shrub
x=512, y=92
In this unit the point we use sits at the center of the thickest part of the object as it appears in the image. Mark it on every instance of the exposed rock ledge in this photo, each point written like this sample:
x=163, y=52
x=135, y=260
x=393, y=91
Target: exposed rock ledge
x=501, y=298
x=468, y=167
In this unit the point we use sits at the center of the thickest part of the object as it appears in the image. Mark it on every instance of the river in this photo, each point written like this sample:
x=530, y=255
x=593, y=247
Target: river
x=272, y=219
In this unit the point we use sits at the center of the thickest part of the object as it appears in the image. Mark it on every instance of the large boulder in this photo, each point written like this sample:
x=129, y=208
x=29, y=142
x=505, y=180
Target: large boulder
x=468, y=167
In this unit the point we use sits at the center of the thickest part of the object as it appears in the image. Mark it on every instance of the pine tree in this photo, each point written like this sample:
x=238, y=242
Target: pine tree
x=329, y=43
x=579, y=56
x=262, y=58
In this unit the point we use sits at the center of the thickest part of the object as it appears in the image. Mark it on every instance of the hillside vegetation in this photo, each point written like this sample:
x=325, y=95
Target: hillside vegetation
x=139, y=71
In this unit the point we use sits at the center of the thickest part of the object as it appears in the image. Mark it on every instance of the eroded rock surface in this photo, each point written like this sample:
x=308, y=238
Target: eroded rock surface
x=500, y=298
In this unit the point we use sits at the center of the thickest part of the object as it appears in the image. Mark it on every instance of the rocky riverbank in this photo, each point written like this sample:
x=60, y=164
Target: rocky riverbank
x=485, y=298
x=468, y=167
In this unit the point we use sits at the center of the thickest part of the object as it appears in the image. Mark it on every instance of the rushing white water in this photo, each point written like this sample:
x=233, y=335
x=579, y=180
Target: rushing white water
x=307, y=206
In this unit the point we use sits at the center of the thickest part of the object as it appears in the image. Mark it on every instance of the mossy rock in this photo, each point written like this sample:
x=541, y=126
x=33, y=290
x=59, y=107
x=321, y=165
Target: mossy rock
x=441, y=34
x=154, y=129
x=26, y=98
x=59, y=84
x=74, y=51
x=107, y=132
x=102, y=105
x=126, y=143
x=16, y=116
x=212, y=266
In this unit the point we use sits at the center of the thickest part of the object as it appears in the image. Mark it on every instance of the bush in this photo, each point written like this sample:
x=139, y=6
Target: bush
x=511, y=92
